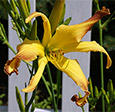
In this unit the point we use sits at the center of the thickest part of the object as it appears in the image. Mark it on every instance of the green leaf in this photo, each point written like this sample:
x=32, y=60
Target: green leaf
x=19, y=100
x=67, y=21
x=13, y=7
x=110, y=88
x=96, y=92
x=28, y=5
x=2, y=95
x=22, y=5
x=90, y=87
x=106, y=97
x=33, y=34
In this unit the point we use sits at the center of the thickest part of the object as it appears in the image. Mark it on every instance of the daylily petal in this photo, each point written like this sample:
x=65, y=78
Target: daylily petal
x=86, y=47
x=80, y=101
x=73, y=70
x=74, y=33
x=11, y=66
x=46, y=23
x=35, y=79
x=29, y=50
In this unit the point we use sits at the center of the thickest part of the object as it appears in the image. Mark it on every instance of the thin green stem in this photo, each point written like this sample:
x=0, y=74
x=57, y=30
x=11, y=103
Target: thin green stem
x=107, y=21
x=26, y=96
x=83, y=109
x=18, y=35
x=31, y=100
x=58, y=84
x=51, y=83
x=101, y=60
x=47, y=87
x=102, y=74
x=7, y=43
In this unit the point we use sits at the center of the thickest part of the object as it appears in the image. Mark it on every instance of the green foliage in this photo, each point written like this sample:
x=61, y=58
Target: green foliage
x=33, y=34
x=47, y=102
x=3, y=36
x=109, y=43
x=109, y=96
x=67, y=21
x=1, y=96
x=94, y=95
x=3, y=11
x=18, y=11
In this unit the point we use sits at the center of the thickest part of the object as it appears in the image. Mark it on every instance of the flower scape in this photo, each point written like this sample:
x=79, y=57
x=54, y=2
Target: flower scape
x=52, y=48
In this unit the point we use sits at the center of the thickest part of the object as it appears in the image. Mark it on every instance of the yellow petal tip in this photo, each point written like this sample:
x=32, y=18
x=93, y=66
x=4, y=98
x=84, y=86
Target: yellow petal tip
x=11, y=66
x=109, y=63
x=26, y=20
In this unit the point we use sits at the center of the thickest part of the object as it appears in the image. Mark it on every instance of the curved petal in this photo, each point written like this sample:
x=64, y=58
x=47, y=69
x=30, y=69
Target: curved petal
x=46, y=23
x=74, y=33
x=35, y=79
x=86, y=47
x=11, y=66
x=29, y=50
x=73, y=70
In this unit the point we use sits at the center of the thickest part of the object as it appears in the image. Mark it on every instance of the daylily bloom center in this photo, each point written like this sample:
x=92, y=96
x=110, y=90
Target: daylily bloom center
x=56, y=55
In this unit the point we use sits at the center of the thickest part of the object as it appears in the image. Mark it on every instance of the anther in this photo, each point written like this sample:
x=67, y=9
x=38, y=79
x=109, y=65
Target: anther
x=56, y=55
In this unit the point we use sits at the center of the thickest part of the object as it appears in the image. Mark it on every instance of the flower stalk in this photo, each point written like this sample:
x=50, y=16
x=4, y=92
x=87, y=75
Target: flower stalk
x=51, y=83
x=101, y=64
x=101, y=58
x=102, y=73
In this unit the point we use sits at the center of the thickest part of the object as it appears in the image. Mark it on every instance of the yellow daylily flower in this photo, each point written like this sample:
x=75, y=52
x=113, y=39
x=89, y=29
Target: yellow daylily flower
x=66, y=39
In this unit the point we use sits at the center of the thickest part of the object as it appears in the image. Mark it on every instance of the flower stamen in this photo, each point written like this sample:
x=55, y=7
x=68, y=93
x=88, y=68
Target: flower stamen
x=56, y=55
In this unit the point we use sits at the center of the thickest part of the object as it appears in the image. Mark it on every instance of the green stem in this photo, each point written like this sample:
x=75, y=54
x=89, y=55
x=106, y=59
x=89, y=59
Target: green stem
x=51, y=83
x=7, y=43
x=58, y=84
x=26, y=96
x=18, y=34
x=83, y=109
x=107, y=21
x=101, y=60
x=31, y=100
x=47, y=87
x=102, y=74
